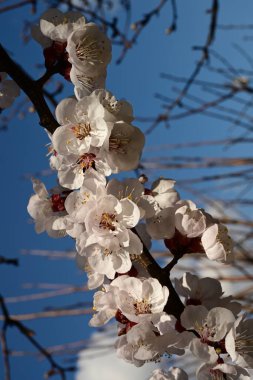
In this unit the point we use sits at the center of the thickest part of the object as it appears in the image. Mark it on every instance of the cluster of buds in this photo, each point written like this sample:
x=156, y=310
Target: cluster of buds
x=113, y=222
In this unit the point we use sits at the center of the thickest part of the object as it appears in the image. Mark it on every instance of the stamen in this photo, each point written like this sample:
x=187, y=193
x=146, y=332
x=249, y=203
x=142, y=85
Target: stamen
x=81, y=130
x=107, y=221
x=86, y=161
x=142, y=307
x=90, y=50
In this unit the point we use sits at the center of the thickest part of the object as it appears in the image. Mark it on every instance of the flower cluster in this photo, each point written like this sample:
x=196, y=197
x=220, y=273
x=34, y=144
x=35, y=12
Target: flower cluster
x=78, y=50
x=113, y=222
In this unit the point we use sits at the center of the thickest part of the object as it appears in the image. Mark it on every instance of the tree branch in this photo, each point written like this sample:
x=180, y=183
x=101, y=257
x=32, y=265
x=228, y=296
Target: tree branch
x=31, y=88
x=4, y=260
x=9, y=322
x=174, y=305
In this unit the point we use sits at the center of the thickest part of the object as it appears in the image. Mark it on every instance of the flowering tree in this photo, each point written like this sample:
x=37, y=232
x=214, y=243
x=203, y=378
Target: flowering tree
x=113, y=222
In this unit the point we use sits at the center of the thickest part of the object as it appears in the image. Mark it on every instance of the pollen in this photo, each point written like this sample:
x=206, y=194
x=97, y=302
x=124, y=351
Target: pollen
x=81, y=130
x=86, y=161
x=107, y=221
x=142, y=307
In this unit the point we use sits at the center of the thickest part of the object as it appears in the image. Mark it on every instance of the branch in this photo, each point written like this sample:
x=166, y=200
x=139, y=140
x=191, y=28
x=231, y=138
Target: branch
x=139, y=25
x=10, y=322
x=6, y=353
x=19, y=5
x=4, y=260
x=50, y=314
x=174, y=304
x=31, y=88
x=198, y=67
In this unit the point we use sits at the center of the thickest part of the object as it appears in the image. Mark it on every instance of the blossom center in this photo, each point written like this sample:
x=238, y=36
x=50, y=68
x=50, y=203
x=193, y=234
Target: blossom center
x=107, y=221
x=81, y=130
x=142, y=307
x=57, y=203
x=90, y=50
x=206, y=332
x=86, y=161
x=107, y=252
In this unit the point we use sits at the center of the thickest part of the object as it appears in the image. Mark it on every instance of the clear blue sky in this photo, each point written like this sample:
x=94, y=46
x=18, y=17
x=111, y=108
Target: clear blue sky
x=23, y=151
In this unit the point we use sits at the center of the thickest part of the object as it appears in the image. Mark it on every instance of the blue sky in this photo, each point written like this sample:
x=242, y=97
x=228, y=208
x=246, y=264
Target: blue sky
x=23, y=151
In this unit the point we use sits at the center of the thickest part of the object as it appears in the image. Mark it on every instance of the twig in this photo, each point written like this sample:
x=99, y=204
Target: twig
x=4, y=260
x=139, y=25
x=50, y=314
x=19, y=5
x=9, y=321
x=50, y=294
x=6, y=353
x=198, y=67
x=31, y=89
x=174, y=304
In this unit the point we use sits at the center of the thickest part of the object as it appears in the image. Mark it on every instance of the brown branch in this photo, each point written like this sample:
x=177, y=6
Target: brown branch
x=139, y=25
x=31, y=88
x=4, y=260
x=53, y=293
x=205, y=55
x=6, y=353
x=50, y=314
x=9, y=321
x=174, y=305
x=198, y=162
x=19, y=5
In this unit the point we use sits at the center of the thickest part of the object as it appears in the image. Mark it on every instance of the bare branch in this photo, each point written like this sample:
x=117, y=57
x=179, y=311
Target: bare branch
x=31, y=88
x=5, y=260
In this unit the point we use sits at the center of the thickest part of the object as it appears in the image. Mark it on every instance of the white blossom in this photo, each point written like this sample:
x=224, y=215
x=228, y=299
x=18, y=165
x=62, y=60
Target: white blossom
x=57, y=26
x=141, y=344
x=89, y=49
x=189, y=220
x=105, y=305
x=212, y=326
x=204, y=291
x=222, y=371
x=85, y=84
x=132, y=189
x=114, y=110
x=167, y=325
x=172, y=374
x=239, y=342
x=72, y=169
x=106, y=261
x=85, y=127
x=162, y=224
x=46, y=208
x=76, y=204
x=95, y=279
x=108, y=222
x=163, y=192
x=217, y=243
x=138, y=299
x=124, y=147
